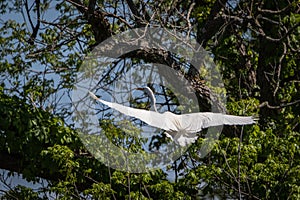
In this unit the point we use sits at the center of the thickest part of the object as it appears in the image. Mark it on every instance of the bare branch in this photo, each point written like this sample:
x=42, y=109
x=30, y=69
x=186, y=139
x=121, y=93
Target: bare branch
x=35, y=28
x=213, y=23
x=100, y=26
x=266, y=103
x=135, y=12
x=275, y=11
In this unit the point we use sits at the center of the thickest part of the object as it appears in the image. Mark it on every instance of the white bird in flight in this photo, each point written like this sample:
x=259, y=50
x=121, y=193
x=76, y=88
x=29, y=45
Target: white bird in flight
x=180, y=128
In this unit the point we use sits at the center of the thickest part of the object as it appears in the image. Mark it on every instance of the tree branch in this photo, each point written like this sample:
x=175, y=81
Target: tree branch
x=35, y=28
x=96, y=18
x=213, y=23
x=266, y=103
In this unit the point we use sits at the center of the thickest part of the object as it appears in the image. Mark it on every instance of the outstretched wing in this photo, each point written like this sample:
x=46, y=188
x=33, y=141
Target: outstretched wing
x=155, y=119
x=195, y=122
x=191, y=123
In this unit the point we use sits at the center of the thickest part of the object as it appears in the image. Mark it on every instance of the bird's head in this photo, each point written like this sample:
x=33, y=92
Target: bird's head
x=139, y=88
x=148, y=91
x=145, y=89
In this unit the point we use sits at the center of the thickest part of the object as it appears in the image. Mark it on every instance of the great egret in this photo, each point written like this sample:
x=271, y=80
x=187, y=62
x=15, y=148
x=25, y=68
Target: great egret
x=180, y=128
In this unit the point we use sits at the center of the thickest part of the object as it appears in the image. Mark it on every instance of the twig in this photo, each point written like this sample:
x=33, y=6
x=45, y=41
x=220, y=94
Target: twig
x=266, y=103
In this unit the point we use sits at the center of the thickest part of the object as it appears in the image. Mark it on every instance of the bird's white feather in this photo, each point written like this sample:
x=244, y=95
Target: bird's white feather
x=182, y=128
x=152, y=118
x=195, y=122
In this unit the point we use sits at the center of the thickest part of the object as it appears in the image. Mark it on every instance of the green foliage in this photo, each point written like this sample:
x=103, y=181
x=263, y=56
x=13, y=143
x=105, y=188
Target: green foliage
x=203, y=10
x=256, y=50
x=100, y=191
x=243, y=107
x=21, y=192
x=29, y=129
x=165, y=190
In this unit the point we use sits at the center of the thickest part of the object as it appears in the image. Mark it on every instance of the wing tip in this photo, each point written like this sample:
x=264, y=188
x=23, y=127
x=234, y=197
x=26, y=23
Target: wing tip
x=255, y=118
x=93, y=95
